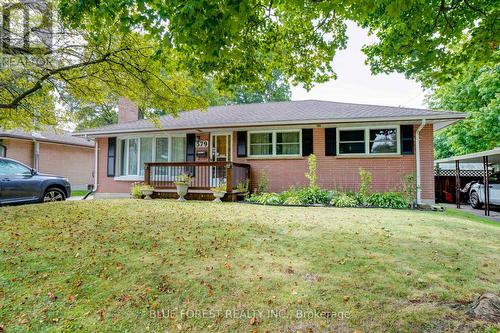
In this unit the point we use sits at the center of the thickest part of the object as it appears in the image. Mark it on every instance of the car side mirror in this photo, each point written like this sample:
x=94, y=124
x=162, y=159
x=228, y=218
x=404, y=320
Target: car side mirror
x=33, y=172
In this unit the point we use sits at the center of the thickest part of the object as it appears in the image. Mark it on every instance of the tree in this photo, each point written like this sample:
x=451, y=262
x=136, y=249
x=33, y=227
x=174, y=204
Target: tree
x=431, y=41
x=91, y=115
x=475, y=92
x=274, y=90
x=157, y=52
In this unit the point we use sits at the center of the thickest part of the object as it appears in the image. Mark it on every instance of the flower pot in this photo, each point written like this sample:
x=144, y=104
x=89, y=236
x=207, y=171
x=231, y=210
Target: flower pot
x=182, y=190
x=147, y=194
x=218, y=196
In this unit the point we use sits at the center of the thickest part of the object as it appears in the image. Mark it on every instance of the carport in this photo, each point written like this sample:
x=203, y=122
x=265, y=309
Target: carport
x=490, y=160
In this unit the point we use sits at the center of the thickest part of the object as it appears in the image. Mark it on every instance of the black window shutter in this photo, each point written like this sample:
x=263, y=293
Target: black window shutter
x=330, y=141
x=307, y=141
x=111, y=157
x=406, y=139
x=190, y=147
x=241, y=144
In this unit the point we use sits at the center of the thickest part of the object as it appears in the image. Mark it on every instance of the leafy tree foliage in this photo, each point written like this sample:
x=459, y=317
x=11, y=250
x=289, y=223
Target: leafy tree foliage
x=475, y=92
x=432, y=41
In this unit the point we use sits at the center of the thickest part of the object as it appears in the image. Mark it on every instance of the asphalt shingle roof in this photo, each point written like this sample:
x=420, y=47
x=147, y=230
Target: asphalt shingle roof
x=48, y=134
x=309, y=111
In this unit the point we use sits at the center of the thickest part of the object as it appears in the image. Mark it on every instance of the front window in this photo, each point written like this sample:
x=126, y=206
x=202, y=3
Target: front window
x=368, y=141
x=287, y=143
x=134, y=152
x=383, y=141
x=2, y=150
x=275, y=143
x=352, y=141
x=261, y=143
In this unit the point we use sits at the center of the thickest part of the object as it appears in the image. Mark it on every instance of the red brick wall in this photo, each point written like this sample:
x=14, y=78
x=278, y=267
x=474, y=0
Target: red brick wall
x=333, y=171
x=342, y=172
x=108, y=184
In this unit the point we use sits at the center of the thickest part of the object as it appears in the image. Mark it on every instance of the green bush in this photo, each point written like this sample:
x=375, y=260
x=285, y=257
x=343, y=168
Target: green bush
x=388, y=200
x=344, y=200
x=295, y=196
x=265, y=198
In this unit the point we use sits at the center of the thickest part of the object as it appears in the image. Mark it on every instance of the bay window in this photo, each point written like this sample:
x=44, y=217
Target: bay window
x=368, y=141
x=275, y=143
x=135, y=151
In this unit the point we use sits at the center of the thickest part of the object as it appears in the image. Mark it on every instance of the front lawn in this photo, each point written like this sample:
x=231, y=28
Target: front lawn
x=165, y=266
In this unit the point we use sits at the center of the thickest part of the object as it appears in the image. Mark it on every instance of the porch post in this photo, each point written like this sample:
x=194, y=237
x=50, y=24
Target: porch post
x=486, y=187
x=229, y=177
x=457, y=182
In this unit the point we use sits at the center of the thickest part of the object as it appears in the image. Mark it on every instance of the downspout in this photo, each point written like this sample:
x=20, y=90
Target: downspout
x=96, y=182
x=417, y=157
x=36, y=155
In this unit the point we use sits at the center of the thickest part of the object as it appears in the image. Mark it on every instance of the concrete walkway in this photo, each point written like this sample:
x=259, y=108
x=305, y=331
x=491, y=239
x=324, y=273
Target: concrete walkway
x=494, y=212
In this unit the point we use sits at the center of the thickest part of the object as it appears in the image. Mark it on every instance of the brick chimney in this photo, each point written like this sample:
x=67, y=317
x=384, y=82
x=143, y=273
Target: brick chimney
x=127, y=110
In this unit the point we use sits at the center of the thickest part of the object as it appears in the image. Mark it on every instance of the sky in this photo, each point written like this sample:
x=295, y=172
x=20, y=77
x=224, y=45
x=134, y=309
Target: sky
x=356, y=84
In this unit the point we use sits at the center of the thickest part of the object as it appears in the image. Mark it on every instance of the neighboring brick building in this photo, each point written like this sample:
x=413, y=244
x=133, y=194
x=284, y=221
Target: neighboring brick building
x=52, y=151
x=276, y=138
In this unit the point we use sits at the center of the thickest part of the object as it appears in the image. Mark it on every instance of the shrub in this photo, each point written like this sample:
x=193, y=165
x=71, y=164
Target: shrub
x=136, y=189
x=344, y=200
x=242, y=187
x=387, y=200
x=311, y=174
x=262, y=183
x=409, y=190
x=313, y=195
x=265, y=198
x=365, y=185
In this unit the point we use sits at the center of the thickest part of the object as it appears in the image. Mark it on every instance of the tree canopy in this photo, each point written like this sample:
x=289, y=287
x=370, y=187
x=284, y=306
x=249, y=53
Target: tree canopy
x=475, y=92
x=158, y=52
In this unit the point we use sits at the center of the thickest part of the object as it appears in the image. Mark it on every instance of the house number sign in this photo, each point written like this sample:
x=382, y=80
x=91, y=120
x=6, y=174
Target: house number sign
x=202, y=144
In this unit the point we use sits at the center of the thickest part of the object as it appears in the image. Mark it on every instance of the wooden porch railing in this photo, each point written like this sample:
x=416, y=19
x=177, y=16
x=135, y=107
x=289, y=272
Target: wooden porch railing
x=162, y=175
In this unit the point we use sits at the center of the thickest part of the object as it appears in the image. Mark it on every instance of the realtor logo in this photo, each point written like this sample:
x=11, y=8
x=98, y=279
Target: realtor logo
x=26, y=27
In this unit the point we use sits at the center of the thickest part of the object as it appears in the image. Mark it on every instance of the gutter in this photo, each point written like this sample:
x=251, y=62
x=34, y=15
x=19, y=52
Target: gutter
x=417, y=158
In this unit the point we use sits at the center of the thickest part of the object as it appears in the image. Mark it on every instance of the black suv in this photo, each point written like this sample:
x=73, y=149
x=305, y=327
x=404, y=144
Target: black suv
x=22, y=184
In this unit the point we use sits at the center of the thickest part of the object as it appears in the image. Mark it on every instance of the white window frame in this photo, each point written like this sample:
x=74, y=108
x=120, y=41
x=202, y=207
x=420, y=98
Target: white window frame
x=138, y=176
x=274, y=142
x=367, y=129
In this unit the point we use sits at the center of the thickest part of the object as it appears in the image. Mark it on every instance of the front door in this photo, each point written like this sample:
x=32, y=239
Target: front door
x=221, y=147
x=220, y=152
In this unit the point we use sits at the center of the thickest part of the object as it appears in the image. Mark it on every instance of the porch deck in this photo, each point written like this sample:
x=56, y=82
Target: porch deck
x=205, y=175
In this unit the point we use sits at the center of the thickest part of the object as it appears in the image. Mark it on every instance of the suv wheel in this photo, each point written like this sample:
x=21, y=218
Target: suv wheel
x=54, y=194
x=474, y=200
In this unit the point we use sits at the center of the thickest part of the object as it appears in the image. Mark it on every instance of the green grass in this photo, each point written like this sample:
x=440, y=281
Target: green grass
x=114, y=265
x=78, y=193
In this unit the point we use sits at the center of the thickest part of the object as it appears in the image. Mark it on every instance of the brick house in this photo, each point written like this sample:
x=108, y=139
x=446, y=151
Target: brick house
x=52, y=151
x=231, y=142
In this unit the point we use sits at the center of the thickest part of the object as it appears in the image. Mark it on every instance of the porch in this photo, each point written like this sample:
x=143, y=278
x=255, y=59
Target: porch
x=205, y=175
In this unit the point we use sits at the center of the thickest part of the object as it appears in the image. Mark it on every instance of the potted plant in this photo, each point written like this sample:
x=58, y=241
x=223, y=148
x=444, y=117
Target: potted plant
x=182, y=183
x=219, y=191
x=147, y=191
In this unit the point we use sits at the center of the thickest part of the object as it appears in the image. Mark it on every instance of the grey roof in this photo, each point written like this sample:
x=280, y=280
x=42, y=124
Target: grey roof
x=48, y=134
x=294, y=112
